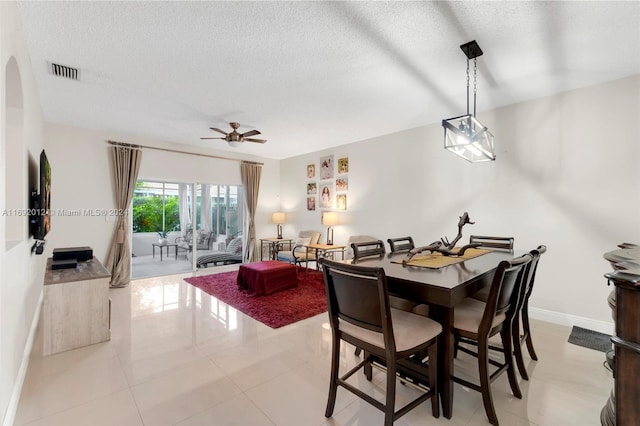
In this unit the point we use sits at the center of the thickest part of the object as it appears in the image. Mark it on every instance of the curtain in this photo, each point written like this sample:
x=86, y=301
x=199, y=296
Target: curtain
x=205, y=208
x=250, y=173
x=184, y=207
x=126, y=165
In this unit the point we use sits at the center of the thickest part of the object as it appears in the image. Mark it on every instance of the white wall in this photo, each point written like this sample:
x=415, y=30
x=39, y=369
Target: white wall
x=81, y=179
x=21, y=273
x=566, y=176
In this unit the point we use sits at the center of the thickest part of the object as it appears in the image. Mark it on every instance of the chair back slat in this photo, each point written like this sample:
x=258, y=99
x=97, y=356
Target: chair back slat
x=505, y=289
x=357, y=300
x=356, y=294
x=400, y=244
x=367, y=249
x=533, y=268
x=503, y=243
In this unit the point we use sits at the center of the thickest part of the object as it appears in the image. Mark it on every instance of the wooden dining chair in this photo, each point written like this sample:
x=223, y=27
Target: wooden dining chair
x=398, y=245
x=478, y=321
x=521, y=318
x=501, y=243
x=523, y=315
x=360, y=314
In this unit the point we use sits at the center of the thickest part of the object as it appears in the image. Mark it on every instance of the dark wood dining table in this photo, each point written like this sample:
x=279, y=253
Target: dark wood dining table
x=442, y=289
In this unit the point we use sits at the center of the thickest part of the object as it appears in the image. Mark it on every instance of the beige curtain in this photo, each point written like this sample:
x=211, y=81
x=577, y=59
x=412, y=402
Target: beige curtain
x=250, y=173
x=126, y=164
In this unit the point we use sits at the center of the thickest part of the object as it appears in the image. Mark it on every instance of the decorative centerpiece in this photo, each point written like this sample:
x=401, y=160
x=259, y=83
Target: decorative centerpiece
x=444, y=246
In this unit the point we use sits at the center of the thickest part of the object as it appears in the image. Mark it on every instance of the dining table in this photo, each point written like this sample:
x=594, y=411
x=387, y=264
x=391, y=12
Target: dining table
x=442, y=289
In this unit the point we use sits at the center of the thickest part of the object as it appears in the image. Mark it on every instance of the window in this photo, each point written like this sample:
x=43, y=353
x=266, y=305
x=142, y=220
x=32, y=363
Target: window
x=156, y=207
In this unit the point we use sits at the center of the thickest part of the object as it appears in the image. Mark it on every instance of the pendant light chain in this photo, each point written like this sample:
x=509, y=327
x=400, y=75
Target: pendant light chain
x=467, y=86
x=475, y=83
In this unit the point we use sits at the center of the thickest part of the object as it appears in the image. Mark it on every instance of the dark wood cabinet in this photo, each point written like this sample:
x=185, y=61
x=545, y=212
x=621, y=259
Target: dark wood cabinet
x=623, y=408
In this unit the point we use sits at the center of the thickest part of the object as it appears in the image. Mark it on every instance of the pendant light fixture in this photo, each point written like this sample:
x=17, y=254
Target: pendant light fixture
x=465, y=135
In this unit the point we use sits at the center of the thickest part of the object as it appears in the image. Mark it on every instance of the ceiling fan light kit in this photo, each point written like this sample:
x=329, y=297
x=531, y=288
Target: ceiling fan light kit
x=464, y=135
x=236, y=139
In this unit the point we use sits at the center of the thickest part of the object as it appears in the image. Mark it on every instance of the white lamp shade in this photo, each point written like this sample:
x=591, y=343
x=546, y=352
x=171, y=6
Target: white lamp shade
x=329, y=218
x=278, y=217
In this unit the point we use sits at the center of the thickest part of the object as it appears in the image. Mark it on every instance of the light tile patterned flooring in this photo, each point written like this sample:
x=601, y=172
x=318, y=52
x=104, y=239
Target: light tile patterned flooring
x=177, y=356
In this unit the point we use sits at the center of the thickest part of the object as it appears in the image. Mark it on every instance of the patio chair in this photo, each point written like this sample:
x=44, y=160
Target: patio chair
x=232, y=254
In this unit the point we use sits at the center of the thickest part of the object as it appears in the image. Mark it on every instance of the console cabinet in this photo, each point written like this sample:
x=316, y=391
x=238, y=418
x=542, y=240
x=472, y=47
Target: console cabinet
x=76, y=307
x=623, y=408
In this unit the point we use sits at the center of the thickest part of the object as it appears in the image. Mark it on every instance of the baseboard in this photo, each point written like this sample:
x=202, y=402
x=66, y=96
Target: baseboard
x=571, y=320
x=12, y=408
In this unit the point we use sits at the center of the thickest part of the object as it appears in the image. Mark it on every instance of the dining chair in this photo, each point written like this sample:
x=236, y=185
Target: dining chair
x=521, y=318
x=502, y=243
x=298, y=252
x=478, y=321
x=402, y=244
x=360, y=314
x=523, y=315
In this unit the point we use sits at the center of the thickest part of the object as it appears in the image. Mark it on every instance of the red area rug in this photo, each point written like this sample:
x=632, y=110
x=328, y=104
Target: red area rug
x=275, y=310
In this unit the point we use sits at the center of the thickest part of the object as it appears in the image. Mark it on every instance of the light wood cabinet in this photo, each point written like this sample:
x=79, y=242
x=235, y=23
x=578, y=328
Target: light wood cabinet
x=76, y=307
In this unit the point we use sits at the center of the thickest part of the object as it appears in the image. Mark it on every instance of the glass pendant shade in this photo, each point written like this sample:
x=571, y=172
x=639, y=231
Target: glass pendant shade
x=466, y=137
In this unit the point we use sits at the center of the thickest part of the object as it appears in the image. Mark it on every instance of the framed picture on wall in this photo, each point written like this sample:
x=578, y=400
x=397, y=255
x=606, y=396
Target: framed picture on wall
x=342, y=184
x=343, y=165
x=312, y=188
x=311, y=171
x=341, y=201
x=311, y=203
x=326, y=194
x=326, y=167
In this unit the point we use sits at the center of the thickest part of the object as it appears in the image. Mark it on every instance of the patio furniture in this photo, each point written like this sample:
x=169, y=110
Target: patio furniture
x=161, y=246
x=232, y=254
x=203, y=241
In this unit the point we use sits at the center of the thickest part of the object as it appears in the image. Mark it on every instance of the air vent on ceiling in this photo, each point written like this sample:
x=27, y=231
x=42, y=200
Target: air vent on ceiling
x=64, y=71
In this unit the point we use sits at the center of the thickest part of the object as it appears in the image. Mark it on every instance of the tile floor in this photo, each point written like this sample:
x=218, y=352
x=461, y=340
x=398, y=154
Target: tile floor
x=177, y=356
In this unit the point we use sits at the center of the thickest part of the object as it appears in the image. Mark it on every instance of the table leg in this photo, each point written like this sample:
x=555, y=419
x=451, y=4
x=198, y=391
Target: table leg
x=154, y=250
x=261, y=249
x=317, y=260
x=161, y=253
x=444, y=316
x=306, y=260
x=176, y=247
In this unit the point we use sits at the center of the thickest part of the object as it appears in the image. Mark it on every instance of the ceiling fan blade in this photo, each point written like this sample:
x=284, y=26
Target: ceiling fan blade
x=213, y=138
x=255, y=140
x=218, y=130
x=250, y=133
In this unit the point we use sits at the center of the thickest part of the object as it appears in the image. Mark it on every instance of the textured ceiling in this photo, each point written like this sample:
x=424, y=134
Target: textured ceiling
x=312, y=75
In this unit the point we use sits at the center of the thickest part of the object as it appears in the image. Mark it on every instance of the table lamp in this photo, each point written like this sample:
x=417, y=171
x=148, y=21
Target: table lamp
x=279, y=218
x=329, y=219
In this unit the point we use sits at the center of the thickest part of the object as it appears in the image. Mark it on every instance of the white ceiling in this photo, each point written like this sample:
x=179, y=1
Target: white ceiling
x=312, y=75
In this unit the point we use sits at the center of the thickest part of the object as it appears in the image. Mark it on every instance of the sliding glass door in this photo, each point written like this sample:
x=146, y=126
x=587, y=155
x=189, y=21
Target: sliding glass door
x=174, y=225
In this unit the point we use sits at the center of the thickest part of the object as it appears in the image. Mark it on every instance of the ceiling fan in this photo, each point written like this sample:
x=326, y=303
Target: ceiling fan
x=236, y=139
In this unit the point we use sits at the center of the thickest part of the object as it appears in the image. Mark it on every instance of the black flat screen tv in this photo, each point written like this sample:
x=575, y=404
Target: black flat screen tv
x=41, y=211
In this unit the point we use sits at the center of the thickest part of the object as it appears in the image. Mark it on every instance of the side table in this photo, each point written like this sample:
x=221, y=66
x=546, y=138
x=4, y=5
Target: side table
x=322, y=250
x=175, y=246
x=272, y=246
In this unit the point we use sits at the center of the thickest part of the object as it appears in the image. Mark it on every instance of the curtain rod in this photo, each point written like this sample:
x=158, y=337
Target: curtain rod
x=182, y=152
